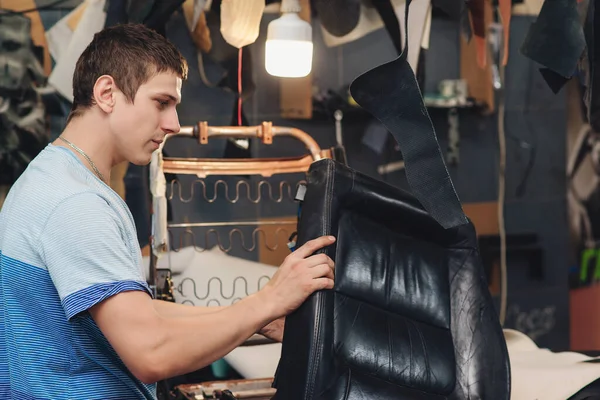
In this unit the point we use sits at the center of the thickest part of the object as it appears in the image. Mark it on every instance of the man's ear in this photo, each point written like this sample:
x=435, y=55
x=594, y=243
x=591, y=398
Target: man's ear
x=105, y=91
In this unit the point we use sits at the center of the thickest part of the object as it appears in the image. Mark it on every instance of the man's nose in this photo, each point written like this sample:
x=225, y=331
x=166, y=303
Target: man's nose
x=170, y=123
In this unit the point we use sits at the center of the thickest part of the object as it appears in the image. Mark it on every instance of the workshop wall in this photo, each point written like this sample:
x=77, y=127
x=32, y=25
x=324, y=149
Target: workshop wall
x=535, y=181
x=536, y=140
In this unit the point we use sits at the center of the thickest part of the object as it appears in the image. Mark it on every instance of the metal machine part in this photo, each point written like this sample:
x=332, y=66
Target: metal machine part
x=250, y=389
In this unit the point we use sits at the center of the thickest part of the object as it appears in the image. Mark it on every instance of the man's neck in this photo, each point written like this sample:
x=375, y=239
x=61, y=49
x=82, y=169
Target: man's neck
x=88, y=133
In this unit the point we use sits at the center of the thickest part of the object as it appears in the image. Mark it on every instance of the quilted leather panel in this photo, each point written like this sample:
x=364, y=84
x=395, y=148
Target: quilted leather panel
x=396, y=275
x=397, y=350
x=358, y=386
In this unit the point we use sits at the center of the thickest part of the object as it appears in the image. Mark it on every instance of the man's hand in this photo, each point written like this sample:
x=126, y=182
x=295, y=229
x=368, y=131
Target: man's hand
x=300, y=275
x=274, y=330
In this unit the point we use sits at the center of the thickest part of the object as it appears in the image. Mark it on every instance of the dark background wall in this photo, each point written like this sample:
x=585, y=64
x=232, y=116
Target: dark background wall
x=535, y=127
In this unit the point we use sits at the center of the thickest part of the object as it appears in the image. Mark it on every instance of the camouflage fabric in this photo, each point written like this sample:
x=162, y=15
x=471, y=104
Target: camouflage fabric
x=23, y=130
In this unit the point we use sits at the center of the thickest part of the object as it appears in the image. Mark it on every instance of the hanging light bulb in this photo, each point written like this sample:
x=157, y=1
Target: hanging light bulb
x=289, y=47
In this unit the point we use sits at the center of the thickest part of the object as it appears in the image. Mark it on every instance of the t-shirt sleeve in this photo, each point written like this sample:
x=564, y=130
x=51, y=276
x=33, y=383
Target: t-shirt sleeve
x=85, y=248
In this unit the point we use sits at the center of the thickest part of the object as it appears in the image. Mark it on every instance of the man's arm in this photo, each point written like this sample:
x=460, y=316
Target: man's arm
x=155, y=347
x=167, y=309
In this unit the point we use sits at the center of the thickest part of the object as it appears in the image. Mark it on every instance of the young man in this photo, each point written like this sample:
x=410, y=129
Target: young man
x=76, y=318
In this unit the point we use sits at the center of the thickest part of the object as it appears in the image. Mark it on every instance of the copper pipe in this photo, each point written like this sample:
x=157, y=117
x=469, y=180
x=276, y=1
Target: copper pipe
x=265, y=131
x=232, y=223
x=309, y=142
x=202, y=167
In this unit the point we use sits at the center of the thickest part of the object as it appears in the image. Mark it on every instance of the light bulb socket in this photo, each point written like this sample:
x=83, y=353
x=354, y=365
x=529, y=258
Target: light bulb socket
x=289, y=27
x=290, y=6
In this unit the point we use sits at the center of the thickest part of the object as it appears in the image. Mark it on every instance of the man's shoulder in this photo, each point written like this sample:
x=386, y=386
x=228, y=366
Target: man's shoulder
x=39, y=192
x=54, y=182
x=31, y=201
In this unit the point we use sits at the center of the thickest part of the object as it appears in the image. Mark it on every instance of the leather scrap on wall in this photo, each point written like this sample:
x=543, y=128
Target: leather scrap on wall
x=139, y=10
x=481, y=19
x=480, y=22
x=195, y=18
x=338, y=17
x=452, y=8
x=554, y=81
x=457, y=11
x=473, y=53
x=116, y=13
x=154, y=14
x=556, y=39
x=505, y=7
x=201, y=34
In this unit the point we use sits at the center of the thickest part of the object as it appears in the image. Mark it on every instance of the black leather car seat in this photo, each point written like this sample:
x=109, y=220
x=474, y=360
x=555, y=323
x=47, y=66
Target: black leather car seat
x=410, y=316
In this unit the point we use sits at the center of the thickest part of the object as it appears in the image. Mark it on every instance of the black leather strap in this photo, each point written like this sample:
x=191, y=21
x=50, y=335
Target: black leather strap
x=391, y=94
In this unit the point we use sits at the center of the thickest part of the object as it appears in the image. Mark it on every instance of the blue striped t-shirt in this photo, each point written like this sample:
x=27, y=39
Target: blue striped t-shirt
x=67, y=242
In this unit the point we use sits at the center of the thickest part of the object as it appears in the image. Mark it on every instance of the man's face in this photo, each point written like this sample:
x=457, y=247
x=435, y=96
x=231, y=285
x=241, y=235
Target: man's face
x=139, y=128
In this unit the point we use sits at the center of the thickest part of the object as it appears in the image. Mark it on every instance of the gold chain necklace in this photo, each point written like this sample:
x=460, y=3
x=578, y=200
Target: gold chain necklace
x=77, y=149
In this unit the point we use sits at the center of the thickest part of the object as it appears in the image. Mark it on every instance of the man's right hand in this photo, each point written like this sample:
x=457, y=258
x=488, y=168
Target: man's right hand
x=300, y=275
